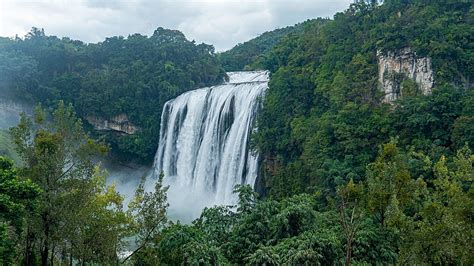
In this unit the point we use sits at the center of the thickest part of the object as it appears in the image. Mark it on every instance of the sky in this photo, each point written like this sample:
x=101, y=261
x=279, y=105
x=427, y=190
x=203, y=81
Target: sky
x=222, y=23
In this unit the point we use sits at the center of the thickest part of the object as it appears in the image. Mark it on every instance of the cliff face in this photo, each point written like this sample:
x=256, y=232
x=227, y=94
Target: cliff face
x=393, y=66
x=118, y=123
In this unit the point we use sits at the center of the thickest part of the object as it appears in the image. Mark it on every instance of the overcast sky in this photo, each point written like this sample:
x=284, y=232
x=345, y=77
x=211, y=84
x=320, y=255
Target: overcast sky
x=223, y=23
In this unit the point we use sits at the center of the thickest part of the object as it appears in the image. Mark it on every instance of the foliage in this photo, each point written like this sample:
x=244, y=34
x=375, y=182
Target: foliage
x=241, y=56
x=17, y=198
x=442, y=230
x=134, y=76
x=149, y=212
x=398, y=214
x=77, y=214
x=350, y=178
x=389, y=182
x=324, y=110
x=6, y=146
x=96, y=224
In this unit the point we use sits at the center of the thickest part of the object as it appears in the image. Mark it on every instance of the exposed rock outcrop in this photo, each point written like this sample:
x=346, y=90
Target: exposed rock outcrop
x=119, y=123
x=404, y=63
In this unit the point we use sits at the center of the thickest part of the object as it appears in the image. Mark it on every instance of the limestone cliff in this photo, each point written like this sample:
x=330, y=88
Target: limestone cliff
x=119, y=123
x=407, y=64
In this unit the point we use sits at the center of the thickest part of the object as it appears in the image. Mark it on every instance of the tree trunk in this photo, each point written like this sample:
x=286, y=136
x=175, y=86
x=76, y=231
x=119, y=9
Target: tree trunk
x=52, y=256
x=45, y=253
x=27, y=246
x=348, y=252
x=45, y=247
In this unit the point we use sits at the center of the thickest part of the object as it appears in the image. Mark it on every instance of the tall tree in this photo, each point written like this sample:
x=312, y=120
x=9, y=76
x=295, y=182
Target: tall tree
x=442, y=231
x=54, y=154
x=389, y=182
x=149, y=212
x=351, y=214
x=17, y=197
x=95, y=226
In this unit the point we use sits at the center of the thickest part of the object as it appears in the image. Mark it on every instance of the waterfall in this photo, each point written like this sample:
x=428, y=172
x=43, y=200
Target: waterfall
x=204, y=143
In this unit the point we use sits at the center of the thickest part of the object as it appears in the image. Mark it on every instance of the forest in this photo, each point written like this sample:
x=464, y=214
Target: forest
x=345, y=176
x=133, y=76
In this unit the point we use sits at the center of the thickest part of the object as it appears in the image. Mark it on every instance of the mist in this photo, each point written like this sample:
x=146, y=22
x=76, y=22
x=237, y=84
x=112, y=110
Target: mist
x=125, y=177
x=9, y=117
x=185, y=204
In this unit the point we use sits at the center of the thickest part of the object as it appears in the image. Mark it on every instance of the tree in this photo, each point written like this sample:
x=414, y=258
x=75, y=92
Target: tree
x=17, y=198
x=187, y=245
x=264, y=256
x=441, y=232
x=95, y=225
x=216, y=223
x=119, y=76
x=55, y=154
x=247, y=198
x=351, y=214
x=148, y=210
x=389, y=182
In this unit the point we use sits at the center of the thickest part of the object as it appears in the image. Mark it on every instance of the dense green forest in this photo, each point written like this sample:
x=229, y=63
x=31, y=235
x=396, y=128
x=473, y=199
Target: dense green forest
x=346, y=177
x=244, y=54
x=323, y=117
x=133, y=76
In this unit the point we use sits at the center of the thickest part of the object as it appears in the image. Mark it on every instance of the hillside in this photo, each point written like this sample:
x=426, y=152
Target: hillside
x=242, y=55
x=118, y=86
x=355, y=147
x=328, y=107
x=365, y=138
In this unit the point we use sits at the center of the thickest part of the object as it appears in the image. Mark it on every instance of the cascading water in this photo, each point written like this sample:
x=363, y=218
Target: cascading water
x=204, y=143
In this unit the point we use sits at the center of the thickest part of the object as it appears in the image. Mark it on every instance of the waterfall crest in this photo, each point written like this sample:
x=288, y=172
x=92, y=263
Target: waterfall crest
x=204, y=143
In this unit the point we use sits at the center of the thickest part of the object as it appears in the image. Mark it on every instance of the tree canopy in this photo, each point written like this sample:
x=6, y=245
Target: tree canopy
x=346, y=177
x=134, y=76
x=324, y=111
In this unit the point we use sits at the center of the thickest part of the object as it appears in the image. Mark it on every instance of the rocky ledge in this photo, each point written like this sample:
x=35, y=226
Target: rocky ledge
x=119, y=123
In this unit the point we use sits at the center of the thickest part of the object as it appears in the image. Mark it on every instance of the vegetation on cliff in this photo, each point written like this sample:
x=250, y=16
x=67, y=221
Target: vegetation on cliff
x=347, y=178
x=133, y=76
x=241, y=56
x=324, y=112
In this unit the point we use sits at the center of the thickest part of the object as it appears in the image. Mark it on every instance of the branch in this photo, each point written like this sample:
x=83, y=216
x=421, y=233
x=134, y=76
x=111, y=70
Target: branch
x=67, y=171
x=145, y=241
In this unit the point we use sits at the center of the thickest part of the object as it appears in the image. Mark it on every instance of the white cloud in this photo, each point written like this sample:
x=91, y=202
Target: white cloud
x=222, y=23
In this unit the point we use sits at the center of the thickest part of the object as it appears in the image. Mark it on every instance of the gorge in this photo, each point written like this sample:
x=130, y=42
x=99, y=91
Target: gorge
x=342, y=140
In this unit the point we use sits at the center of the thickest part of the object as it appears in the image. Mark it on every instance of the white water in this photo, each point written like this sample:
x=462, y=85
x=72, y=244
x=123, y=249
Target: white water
x=204, y=143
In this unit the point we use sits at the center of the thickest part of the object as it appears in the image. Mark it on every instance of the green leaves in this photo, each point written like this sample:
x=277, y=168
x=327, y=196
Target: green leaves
x=77, y=213
x=17, y=198
x=399, y=214
x=149, y=210
x=443, y=230
x=117, y=76
x=148, y=213
x=429, y=217
x=93, y=214
x=323, y=116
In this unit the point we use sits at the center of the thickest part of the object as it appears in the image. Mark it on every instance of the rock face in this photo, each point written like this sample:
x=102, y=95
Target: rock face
x=118, y=123
x=394, y=66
